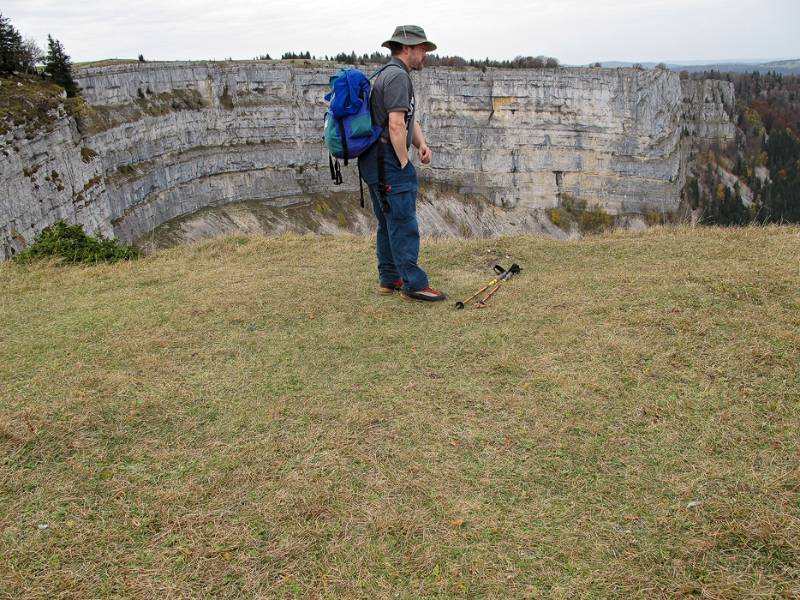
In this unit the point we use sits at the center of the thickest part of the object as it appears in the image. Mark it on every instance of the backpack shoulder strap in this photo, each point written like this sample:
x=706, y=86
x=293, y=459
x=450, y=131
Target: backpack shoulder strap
x=373, y=76
x=383, y=68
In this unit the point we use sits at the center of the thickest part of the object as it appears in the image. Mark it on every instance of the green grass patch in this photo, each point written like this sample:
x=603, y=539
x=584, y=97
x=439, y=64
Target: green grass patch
x=247, y=418
x=71, y=244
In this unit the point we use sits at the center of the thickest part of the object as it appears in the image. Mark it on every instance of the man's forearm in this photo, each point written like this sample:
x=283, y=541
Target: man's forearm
x=417, y=137
x=398, y=136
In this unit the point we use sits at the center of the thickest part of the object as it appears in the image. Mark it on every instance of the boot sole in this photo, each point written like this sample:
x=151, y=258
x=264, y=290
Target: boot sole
x=429, y=300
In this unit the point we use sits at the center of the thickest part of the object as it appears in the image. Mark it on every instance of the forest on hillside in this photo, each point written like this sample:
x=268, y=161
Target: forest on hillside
x=765, y=156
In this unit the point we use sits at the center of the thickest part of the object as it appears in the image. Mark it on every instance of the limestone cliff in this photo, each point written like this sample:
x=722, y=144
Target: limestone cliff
x=159, y=141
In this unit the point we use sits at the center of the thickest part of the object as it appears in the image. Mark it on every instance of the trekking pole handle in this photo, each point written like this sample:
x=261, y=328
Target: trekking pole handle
x=513, y=270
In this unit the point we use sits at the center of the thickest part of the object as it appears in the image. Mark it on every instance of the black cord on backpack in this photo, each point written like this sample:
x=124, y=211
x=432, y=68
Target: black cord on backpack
x=336, y=171
x=338, y=174
x=340, y=123
x=360, y=184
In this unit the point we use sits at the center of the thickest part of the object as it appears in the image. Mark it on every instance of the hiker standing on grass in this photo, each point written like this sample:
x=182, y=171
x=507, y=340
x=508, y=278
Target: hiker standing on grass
x=387, y=169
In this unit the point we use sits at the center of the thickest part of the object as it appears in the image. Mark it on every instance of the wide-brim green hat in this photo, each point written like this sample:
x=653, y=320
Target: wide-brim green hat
x=410, y=35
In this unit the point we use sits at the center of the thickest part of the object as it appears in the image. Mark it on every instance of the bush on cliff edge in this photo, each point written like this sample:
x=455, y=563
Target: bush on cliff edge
x=72, y=245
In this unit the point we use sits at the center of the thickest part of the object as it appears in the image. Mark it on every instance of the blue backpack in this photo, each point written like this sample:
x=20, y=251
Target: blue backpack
x=348, y=124
x=349, y=130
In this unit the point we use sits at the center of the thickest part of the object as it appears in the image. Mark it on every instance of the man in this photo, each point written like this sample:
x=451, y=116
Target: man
x=388, y=171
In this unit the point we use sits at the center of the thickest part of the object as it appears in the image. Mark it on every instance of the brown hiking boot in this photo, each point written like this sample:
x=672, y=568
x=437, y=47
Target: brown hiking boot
x=390, y=288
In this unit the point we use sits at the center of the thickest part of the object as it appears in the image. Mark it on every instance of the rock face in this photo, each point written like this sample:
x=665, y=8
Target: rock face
x=160, y=141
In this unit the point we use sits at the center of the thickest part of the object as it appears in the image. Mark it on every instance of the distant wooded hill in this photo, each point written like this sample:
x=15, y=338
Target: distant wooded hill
x=765, y=156
x=781, y=67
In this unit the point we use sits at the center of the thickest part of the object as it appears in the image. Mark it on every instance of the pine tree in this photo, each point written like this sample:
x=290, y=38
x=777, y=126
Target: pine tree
x=11, y=48
x=59, y=66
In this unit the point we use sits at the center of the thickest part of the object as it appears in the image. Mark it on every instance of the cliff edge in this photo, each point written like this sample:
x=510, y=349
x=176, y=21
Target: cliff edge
x=149, y=143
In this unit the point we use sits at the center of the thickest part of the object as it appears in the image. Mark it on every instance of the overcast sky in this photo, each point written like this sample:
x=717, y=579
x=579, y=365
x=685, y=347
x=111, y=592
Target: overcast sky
x=574, y=31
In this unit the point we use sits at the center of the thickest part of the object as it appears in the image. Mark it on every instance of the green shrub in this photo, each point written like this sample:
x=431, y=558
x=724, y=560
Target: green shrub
x=573, y=210
x=570, y=204
x=87, y=154
x=555, y=216
x=654, y=218
x=72, y=245
x=594, y=220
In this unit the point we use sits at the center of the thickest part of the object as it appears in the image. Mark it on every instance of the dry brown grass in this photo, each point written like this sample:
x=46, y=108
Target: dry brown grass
x=246, y=418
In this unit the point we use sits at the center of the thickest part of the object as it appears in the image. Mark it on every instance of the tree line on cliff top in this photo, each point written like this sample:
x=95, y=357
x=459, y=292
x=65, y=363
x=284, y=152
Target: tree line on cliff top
x=432, y=60
x=18, y=55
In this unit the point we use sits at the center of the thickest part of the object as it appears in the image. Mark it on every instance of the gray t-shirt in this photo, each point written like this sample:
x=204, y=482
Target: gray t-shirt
x=392, y=91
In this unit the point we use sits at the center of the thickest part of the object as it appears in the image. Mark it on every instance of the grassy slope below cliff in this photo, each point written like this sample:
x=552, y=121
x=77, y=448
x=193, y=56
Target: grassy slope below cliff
x=246, y=418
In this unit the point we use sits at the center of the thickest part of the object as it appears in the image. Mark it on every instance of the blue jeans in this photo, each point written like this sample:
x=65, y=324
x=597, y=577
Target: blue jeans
x=398, y=232
x=398, y=239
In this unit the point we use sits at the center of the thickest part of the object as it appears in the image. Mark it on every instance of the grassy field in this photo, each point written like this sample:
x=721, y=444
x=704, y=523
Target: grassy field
x=247, y=418
x=106, y=62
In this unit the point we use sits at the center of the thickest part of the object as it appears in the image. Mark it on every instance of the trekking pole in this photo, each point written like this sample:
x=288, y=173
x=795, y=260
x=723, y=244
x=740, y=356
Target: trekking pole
x=498, y=269
x=502, y=274
x=513, y=270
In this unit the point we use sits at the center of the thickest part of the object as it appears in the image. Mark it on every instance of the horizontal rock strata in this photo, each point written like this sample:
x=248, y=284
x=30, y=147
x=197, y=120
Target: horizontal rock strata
x=159, y=141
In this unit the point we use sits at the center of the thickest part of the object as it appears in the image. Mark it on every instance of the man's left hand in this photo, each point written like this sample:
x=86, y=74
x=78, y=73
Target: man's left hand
x=425, y=154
